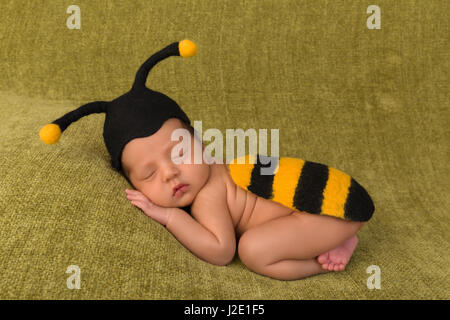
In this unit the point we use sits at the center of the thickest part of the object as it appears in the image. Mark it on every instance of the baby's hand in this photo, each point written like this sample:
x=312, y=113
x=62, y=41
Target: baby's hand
x=157, y=213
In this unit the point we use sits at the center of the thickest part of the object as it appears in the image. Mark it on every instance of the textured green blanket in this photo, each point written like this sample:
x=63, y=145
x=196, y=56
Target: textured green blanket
x=372, y=102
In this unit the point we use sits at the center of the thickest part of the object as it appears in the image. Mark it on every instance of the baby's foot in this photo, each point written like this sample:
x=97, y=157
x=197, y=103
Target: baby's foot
x=337, y=258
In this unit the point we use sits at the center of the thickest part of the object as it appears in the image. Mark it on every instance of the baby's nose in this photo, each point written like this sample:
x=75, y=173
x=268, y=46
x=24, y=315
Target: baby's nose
x=170, y=172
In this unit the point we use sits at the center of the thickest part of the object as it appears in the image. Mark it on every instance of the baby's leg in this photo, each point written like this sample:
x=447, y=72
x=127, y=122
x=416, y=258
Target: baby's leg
x=285, y=248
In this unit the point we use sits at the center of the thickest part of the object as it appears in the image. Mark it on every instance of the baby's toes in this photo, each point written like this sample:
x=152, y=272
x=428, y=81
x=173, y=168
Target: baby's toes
x=323, y=258
x=337, y=267
x=331, y=266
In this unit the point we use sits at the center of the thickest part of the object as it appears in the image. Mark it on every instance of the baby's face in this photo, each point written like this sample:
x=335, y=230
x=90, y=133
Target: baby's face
x=150, y=167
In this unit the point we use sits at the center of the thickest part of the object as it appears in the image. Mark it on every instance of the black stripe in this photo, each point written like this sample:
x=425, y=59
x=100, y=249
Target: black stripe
x=359, y=205
x=309, y=192
x=262, y=184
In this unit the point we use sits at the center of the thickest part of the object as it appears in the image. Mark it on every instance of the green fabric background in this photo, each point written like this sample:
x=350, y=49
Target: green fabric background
x=372, y=103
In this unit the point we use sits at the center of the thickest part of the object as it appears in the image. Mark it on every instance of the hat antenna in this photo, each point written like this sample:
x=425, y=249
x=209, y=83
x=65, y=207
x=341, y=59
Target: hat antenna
x=185, y=48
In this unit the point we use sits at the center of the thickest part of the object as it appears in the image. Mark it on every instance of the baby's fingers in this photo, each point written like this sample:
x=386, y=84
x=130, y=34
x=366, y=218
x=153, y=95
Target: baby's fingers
x=144, y=206
x=137, y=195
x=141, y=203
x=134, y=197
x=137, y=203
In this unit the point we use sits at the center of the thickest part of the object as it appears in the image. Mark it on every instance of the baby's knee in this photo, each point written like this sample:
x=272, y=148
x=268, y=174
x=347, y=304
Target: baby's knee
x=249, y=251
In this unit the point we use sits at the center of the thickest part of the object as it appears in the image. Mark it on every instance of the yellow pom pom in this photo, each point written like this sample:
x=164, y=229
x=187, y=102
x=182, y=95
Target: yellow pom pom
x=50, y=133
x=187, y=48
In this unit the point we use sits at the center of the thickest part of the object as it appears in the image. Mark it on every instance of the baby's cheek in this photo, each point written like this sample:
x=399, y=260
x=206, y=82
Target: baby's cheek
x=150, y=194
x=155, y=197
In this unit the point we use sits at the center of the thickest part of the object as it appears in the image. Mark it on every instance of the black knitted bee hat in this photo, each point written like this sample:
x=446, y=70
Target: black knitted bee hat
x=138, y=113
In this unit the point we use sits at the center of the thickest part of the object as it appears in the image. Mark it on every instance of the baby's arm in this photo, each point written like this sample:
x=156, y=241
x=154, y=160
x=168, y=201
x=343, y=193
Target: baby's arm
x=210, y=236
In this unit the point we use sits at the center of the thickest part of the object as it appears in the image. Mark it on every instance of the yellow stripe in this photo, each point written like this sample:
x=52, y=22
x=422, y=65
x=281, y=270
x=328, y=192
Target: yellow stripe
x=241, y=173
x=286, y=180
x=335, y=193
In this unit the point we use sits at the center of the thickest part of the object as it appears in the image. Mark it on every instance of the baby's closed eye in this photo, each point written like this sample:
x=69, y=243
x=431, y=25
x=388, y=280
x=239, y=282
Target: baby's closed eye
x=153, y=171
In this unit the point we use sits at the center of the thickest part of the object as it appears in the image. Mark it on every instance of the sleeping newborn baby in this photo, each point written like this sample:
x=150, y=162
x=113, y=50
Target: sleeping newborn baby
x=270, y=238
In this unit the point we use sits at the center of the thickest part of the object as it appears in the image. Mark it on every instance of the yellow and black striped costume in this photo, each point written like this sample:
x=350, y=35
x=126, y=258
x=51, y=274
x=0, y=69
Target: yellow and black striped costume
x=303, y=185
